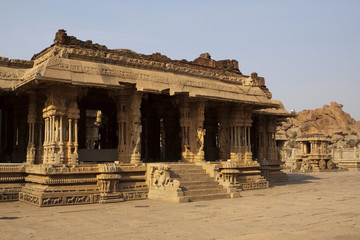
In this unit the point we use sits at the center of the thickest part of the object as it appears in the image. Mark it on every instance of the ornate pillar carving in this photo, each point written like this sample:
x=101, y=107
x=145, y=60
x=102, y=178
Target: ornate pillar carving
x=51, y=113
x=61, y=114
x=200, y=131
x=185, y=129
x=73, y=114
x=124, y=151
x=234, y=124
x=31, y=119
x=270, y=140
x=239, y=125
x=135, y=116
x=247, y=125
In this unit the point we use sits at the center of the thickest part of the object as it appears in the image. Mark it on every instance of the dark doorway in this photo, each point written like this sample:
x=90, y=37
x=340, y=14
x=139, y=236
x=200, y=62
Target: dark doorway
x=13, y=128
x=98, y=124
x=211, y=141
x=307, y=147
x=160, y=136
x=97, y=127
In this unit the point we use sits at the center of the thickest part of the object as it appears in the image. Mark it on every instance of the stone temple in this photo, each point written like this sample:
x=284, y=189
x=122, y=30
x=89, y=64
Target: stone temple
x=80, y=123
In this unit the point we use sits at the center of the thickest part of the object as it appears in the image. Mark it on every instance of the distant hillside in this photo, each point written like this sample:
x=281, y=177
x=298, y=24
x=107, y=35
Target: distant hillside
x=330, y=120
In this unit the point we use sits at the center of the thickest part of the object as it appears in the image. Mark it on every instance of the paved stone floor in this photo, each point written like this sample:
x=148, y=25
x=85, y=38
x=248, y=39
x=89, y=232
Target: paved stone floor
x=310, y=206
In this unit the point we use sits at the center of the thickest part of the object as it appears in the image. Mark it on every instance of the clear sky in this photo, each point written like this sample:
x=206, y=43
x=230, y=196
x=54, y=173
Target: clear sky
x=307, y=50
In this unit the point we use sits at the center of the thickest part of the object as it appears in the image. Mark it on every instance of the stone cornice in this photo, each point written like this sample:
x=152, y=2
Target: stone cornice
x=181, y=67
x=16, y=63
x=224, y=70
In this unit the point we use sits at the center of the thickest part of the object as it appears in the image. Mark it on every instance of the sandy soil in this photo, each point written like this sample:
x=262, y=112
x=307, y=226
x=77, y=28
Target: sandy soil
x=310, y=206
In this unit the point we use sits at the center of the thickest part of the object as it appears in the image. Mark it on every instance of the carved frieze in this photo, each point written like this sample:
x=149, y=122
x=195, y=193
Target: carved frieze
x=134, y=195
x=15, y=168
x=59, y=181
x=12, y=75
x=45, y=169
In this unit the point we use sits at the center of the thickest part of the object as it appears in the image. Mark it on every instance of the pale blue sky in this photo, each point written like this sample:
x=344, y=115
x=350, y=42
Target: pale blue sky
x=307, y=50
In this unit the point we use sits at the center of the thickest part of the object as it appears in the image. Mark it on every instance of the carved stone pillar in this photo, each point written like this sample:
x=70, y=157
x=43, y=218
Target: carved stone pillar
x=235, y=123
x=185, y=129
x=247, y=132
x=31, y=119
x=51, y=114
x=61, y=114
x=73, y=114
x=124, y=153
x=135, y=116
x=271, y=144
x=261, y=133
x=200, y=131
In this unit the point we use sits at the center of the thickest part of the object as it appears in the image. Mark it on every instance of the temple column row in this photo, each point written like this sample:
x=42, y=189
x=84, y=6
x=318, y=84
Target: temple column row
x=239, y=134
x=240, y=137
x=60, y=143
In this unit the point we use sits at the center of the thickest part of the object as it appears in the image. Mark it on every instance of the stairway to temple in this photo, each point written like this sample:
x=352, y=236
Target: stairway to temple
x=196, y=184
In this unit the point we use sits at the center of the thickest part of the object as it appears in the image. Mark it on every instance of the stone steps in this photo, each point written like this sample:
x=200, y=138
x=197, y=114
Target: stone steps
x=195, y=177
x=196, y=184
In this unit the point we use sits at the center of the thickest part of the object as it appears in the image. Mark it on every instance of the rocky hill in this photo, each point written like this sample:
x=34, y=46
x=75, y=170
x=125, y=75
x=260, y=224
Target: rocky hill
x=330, y=120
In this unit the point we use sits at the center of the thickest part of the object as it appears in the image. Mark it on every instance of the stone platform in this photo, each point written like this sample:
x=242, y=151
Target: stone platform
x=314, y=206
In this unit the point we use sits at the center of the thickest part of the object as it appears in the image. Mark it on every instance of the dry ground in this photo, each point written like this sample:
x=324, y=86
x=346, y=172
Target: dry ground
x=310, y=206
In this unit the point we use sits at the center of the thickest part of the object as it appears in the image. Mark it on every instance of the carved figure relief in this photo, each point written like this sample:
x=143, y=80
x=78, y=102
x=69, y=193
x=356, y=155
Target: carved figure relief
x=136, y=124
x=200, y=137
x=161, y=178
x=136, y=127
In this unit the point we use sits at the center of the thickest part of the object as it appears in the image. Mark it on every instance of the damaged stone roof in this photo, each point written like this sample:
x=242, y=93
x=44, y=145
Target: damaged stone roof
x=77, y=62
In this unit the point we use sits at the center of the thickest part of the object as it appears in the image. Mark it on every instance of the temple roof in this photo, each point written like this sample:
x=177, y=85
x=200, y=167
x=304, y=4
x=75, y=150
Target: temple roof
x=279, y=112
x=83, y=63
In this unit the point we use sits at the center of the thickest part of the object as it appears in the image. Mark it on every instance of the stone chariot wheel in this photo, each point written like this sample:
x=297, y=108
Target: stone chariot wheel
x=305, y=166
x=322, y=164
x=330, y=164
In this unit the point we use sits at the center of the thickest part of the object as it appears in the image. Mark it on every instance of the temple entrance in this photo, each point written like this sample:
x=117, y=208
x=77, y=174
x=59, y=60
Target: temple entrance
x=307, y=147
x=13, y=129
x=211, y=139
x=160, y=136
x=97, y=127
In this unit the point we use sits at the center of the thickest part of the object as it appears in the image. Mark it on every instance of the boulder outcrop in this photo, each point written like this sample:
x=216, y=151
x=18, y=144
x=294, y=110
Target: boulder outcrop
x=329, y=120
